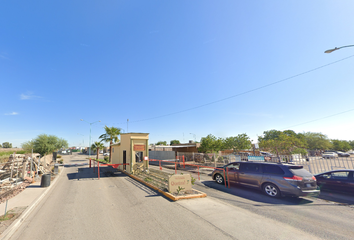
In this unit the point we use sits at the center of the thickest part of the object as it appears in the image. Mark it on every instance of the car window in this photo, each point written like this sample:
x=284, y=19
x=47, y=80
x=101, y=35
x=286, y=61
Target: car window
x=234, y=165
x=340, y=175
x=300, y=172
x=249, y=167
x=272, y=169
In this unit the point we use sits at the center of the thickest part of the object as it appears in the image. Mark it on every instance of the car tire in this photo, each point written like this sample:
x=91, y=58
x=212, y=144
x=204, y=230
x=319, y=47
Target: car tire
x=219, y=179
x=271, y=190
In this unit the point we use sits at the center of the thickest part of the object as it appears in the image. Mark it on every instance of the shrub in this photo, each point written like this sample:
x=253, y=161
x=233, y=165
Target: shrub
x=106, y=158
x=59, y=156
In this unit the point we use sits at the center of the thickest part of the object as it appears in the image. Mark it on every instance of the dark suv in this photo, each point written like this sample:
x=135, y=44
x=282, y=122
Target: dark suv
x=274, y=179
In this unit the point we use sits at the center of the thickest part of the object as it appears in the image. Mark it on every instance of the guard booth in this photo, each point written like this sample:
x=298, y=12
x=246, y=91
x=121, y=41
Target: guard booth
x=132, y=149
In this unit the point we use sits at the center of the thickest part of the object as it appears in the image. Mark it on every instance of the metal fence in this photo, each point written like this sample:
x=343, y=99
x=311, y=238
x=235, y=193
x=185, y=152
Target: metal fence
x=314, y=165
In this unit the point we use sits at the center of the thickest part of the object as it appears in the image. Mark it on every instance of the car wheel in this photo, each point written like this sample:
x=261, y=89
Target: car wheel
x=219, y=179
x=271, y=190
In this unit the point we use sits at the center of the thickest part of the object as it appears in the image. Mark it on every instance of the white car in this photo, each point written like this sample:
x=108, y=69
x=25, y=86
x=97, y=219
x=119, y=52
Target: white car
x=329, y=155
x=106, y=154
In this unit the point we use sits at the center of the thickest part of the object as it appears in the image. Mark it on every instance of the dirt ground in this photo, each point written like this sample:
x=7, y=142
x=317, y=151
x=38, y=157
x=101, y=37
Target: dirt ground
x=13, y=214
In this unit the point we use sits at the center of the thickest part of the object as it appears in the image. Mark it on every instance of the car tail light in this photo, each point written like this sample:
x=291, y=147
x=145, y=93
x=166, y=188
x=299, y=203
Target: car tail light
x=294, y=178
x=314, y=178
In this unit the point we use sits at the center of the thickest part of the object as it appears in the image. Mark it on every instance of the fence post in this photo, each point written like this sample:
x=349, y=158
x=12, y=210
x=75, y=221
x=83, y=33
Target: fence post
x=184, y=163
x=228, y=181
x=98, y=169
x=198, y=174
x=90, y=162
x=160, y=164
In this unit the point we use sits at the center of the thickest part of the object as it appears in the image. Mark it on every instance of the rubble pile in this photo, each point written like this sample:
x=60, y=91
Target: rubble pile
x=16, y=174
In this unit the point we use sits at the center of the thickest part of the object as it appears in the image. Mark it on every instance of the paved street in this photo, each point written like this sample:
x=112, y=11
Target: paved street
x=115, y=207
x=328, y=216
x=80, y=206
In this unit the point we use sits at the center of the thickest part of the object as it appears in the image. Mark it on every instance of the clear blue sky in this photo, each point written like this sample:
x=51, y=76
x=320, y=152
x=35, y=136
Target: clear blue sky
x=164, y=65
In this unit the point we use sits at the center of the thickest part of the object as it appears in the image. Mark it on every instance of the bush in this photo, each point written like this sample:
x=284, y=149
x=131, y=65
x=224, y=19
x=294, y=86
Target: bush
x=106, y=158
x=61, y=161
x=59, y=156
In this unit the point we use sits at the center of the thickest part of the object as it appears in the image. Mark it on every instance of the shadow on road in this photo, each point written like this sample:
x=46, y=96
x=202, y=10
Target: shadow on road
x=253, y=194
x=85, y=173
x=338, y=197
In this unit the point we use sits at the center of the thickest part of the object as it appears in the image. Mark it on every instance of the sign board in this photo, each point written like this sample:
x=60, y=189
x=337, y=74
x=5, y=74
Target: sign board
x=139, y=148
x=256, y=158
x=183, y=181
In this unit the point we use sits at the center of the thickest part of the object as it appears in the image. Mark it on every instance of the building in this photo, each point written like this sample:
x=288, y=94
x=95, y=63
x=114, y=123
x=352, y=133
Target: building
x=132, y=149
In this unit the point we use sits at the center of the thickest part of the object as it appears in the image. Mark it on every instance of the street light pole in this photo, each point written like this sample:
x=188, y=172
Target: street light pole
x=90, y=135
x=335, y=49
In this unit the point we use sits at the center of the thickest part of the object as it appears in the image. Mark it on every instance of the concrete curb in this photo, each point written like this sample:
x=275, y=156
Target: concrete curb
x=17, y=223
x=166, y=194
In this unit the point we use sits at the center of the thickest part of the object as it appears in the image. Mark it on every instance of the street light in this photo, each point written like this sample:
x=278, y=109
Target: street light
x=90, y=135
x=335, y=49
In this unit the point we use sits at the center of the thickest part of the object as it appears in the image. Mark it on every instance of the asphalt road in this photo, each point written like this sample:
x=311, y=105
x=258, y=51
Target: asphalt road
x=115, y=207
x=80, y=206
x=329, y=216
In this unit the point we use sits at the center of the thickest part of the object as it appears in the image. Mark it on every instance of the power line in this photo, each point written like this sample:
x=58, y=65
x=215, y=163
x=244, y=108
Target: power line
x=243, y=93
x=319, y=119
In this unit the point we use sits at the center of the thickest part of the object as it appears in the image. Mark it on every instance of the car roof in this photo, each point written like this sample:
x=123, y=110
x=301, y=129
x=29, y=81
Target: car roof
x=270, y=163
x=337, y=170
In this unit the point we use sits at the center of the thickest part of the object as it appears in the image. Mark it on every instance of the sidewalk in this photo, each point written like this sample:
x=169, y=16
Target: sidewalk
x=24, y=198
x=28, y=199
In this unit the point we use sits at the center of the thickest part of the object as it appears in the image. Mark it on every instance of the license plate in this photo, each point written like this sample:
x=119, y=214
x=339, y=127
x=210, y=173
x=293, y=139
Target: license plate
x=308, y=184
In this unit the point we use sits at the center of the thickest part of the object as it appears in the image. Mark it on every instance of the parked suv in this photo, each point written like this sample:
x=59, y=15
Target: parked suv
x=274, y=179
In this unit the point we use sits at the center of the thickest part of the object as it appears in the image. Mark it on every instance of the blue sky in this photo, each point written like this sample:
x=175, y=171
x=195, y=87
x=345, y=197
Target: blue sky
x=175, y=69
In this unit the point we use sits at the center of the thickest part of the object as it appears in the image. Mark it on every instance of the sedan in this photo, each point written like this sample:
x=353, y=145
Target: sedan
x=106, y=154
x=329, y=155
x=337, y=180
x=343, y=154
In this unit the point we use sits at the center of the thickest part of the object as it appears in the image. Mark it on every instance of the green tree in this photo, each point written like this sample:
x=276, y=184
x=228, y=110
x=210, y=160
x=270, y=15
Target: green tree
x=239, y=142
x=317, y=141
x=7, y=145
x=110, y=136
x=211, y=144
x=287, y=142
x=351, y=143
x=28, y=146
x=45, y=144
x=174, y=142
x=161, y=143
x=96, y=146
x=341, y=145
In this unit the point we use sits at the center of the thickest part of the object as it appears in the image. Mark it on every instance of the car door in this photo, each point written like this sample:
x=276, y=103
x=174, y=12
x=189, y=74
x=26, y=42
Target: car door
x=351, y=182
x=250, y=174
x=232, y=172
x=338, y=180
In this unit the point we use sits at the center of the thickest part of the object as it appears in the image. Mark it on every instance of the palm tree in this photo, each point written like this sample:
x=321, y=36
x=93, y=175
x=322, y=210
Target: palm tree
x=110, y=136
x=97, y=146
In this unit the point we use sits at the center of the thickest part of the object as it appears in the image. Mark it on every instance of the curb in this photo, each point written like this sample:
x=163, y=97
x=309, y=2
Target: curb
x=166, y=194
x=17, y=223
